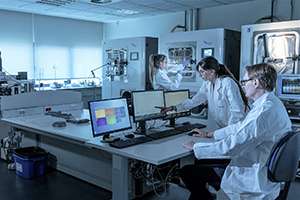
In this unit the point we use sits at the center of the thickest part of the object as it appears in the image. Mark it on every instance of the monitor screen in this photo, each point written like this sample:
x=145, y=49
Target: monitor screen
x=288, y=86
x=173, y=98
x=108, y=116
x=146, y=103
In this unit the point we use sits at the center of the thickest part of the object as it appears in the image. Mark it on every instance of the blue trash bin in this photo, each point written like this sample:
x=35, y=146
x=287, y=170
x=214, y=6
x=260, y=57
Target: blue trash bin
x=30, y=162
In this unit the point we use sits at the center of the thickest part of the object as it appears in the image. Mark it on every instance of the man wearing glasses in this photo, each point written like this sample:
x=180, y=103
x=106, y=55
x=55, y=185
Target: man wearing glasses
x=248, y=143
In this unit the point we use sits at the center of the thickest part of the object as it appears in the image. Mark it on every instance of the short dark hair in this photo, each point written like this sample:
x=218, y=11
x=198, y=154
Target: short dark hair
x=265, y=73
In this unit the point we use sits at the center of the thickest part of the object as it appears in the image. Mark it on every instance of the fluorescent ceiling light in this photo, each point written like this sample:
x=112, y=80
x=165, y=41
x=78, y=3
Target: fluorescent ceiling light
x=101, y=1
x=56, y=2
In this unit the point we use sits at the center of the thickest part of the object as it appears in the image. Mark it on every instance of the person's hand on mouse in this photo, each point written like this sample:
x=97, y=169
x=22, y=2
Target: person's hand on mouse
x=203, y=134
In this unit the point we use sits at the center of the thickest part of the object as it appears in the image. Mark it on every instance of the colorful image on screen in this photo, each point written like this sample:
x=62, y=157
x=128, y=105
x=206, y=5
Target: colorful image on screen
x=109, y=116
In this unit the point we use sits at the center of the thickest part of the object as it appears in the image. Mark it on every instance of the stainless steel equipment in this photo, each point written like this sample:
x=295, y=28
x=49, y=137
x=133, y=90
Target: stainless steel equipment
x=12, y=85
x=126, y=65
x=185, y=49
x=278, y=44
x=275, y=43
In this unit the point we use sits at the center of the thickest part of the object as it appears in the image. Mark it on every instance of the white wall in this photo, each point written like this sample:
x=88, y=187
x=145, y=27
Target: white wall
x=66, y=47
x=228, y=16
x=16, y=41
x=73, y=47
x=148, y=26
x=49, y=47
x=235, y=15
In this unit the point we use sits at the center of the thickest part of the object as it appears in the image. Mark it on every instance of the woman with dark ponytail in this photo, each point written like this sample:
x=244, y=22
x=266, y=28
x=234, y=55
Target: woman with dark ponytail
x=158, y=74
x=227, y=103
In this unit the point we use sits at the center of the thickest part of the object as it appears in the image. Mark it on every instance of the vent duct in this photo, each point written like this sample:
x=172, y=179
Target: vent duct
x=192, y=19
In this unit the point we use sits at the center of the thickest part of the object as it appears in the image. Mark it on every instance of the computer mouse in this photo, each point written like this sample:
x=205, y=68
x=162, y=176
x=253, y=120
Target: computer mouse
x=129, y=135
x=59, y=124
x=110, y=139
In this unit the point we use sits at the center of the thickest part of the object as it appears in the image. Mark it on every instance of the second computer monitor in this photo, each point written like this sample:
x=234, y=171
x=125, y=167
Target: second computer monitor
x=147, y=104
x=173, y=98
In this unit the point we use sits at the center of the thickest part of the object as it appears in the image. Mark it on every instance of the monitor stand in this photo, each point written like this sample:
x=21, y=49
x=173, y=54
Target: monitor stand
x=172, y=123
x=141, y=128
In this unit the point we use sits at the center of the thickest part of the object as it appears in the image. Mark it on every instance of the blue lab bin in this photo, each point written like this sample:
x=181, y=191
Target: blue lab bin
x=30, y=162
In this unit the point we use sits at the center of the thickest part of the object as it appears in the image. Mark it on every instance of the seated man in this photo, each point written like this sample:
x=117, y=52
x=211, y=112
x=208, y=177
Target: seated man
x=248, y=143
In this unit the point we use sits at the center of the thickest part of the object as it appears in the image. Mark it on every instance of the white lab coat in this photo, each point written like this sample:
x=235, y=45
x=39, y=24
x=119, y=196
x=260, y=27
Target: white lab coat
x=162, y=80
x=225, y=104
x=249, y=143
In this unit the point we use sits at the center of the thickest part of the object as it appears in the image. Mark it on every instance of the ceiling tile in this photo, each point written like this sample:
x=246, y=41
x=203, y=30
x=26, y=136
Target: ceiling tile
x=85, y=9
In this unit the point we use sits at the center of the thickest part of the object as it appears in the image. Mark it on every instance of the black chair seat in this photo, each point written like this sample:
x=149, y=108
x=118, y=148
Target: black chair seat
x=283, y=161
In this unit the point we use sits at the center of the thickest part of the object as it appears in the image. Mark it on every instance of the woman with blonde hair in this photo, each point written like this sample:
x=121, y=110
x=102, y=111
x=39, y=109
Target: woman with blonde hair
x=158, y=74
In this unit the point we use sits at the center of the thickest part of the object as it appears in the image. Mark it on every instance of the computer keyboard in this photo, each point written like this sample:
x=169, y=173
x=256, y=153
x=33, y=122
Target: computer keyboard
x=178, y=130
x=154, y=136
x=166, y=133
x=130, y=142
x=189, y=127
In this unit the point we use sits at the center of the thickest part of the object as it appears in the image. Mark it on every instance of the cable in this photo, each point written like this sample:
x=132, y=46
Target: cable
x=272, y=16
x=272, y=10
x=153, y=184
x=168, y=174
x=292, y=3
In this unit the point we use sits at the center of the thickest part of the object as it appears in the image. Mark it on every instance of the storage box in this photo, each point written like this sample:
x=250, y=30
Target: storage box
x=30, y=162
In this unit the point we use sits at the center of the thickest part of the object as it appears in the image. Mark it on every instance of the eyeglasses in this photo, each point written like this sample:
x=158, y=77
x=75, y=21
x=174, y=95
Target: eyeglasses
x=202, y=71
x=243, y=82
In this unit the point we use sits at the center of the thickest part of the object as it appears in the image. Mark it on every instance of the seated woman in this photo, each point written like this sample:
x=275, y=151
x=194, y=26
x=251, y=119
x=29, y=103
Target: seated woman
x=248, y=143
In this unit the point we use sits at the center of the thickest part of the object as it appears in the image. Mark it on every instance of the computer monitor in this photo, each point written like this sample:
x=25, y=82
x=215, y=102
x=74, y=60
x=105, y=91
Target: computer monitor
x=288, y=86
x=147, y=104
x=173, y=98
x=109, y=116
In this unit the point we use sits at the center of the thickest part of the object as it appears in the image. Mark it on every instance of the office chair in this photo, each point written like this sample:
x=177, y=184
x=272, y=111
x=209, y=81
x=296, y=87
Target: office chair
x=283, y=162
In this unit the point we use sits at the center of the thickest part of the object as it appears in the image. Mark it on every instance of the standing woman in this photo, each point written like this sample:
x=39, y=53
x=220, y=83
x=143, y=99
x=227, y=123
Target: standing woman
x=227, y=103
x=158, y=73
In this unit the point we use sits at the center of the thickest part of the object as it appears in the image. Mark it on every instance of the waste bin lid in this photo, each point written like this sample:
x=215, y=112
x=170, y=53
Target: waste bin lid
x=30, y=152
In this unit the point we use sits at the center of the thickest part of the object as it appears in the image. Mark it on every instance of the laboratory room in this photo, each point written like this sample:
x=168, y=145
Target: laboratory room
x=149, y=99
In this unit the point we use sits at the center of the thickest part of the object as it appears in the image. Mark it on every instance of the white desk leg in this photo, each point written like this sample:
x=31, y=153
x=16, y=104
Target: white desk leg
x=120, y=178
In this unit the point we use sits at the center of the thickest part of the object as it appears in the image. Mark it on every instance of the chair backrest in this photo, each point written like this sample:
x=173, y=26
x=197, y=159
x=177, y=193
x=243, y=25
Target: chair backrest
x=284, y=158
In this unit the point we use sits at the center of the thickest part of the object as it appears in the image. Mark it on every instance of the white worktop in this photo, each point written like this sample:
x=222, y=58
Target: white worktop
x=155, y=152
x=42, y=124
